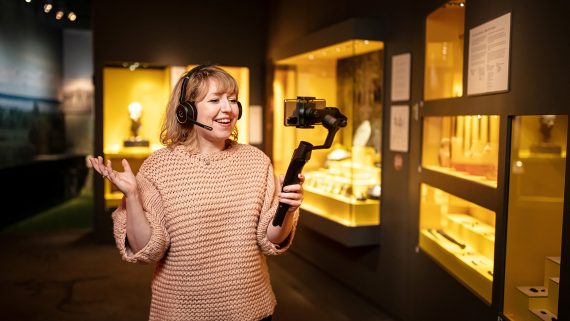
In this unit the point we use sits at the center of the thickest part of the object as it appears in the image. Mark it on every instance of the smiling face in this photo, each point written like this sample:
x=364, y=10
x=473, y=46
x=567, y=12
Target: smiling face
x=218, y=109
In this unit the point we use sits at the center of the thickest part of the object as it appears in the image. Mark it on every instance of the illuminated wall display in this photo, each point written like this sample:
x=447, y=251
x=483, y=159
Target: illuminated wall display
x=458, y=233
x=534, y=227
x=460, y=236
x=463, y=146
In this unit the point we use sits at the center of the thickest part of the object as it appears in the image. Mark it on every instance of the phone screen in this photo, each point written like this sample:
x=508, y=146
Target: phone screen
x=295, y=108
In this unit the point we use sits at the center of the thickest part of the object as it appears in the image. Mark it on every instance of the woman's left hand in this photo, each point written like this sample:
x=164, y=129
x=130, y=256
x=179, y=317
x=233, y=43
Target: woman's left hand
x=292, y=194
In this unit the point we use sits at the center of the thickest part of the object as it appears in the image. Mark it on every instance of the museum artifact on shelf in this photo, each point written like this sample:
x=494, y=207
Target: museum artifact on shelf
x=135, y=113
x=463, y=146
x=342, y=184
x=545, y=145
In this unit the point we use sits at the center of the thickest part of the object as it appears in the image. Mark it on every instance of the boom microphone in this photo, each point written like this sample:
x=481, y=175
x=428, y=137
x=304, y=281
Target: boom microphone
x=201, y=125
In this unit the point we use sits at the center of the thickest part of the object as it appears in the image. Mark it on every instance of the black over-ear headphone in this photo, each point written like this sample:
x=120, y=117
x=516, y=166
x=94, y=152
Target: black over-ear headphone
x=186, y=111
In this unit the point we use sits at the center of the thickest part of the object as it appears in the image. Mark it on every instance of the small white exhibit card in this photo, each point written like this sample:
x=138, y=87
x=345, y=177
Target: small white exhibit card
x=399, y=128
x=401, y=67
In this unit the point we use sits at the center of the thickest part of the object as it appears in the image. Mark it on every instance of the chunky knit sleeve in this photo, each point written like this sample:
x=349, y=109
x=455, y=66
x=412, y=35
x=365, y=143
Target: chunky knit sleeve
x=154, y=212
x=270, y=203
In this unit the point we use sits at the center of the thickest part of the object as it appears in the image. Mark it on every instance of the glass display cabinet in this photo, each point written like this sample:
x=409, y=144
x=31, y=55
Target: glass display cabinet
x=342, y=183
x=460, y=236
x=535, y=212
x=460, y=162
x=135, y=97
x=133, y=104
x=463, y=146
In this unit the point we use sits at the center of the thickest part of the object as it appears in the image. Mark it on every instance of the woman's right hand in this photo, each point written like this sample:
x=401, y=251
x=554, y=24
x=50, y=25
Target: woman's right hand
x=125, y=181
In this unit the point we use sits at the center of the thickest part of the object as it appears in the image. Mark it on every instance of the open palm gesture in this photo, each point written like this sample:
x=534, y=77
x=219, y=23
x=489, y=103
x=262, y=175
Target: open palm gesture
x=125, y=181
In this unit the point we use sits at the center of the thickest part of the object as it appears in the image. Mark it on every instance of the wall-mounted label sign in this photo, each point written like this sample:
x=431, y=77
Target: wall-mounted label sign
x=399, y=128
x=401, y=68
x=488, y=66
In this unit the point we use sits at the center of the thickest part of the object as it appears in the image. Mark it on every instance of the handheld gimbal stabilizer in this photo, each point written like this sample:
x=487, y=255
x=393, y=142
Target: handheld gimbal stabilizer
x=304, y=112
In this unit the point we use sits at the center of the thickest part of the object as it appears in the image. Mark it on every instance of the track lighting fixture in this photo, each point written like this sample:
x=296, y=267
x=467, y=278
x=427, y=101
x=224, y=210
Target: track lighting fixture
x=60, y=8
x=59, y=14
x=71, y=16
x=48, y=6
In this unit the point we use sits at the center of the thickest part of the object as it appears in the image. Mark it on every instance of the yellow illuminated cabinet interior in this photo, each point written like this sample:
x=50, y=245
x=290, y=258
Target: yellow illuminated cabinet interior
x=464, y=146
x=460, y=236
x=342, y=183
x=455, y=232
x=444, y=51
x=135, y=101
x=535, y=212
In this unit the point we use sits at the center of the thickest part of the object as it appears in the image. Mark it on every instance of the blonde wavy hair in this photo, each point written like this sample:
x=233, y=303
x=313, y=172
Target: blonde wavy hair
x=172, y=133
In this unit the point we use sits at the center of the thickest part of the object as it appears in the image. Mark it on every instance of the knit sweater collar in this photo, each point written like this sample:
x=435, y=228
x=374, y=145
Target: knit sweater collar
x=194, y=153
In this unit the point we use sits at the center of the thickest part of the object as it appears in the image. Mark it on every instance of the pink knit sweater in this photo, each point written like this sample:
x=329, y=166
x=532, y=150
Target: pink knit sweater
x=209, y=216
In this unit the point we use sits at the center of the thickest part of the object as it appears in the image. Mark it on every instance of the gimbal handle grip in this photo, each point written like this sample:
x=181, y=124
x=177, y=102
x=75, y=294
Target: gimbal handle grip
x=301, y=156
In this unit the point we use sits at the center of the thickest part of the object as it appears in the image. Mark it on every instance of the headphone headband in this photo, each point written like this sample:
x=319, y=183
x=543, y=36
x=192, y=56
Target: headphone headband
x=187, y=79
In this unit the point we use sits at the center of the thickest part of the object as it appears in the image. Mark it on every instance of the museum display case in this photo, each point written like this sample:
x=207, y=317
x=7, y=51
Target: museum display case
x=443, y=74
x=135, y=97
x=342, y=184
x=459, y=162
x=133, y=104
x=464, y=146
x=460, y=236
x=535, y=213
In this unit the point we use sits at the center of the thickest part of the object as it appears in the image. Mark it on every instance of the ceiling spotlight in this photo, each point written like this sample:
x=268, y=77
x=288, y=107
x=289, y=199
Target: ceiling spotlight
x=59, y=14
x=71, y=16
x=47, y=7
x=28, y=1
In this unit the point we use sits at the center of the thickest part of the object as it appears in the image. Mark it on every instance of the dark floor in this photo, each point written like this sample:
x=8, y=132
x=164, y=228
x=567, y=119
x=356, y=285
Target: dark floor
x=66, y=276
x=52, y=269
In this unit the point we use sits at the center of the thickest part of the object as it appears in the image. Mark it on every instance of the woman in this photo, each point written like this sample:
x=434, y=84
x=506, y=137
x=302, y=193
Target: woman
x=201, y=209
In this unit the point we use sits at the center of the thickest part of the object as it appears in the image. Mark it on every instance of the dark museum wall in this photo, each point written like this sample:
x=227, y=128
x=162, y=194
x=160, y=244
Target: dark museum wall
x=181, y=33
x=31, y=67
x=33, y=131
x=397, y=275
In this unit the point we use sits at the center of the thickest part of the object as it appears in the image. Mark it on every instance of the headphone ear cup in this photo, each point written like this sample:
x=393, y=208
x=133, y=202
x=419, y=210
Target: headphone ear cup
x=181, y=115
x=239, y=110
x=186, y=113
